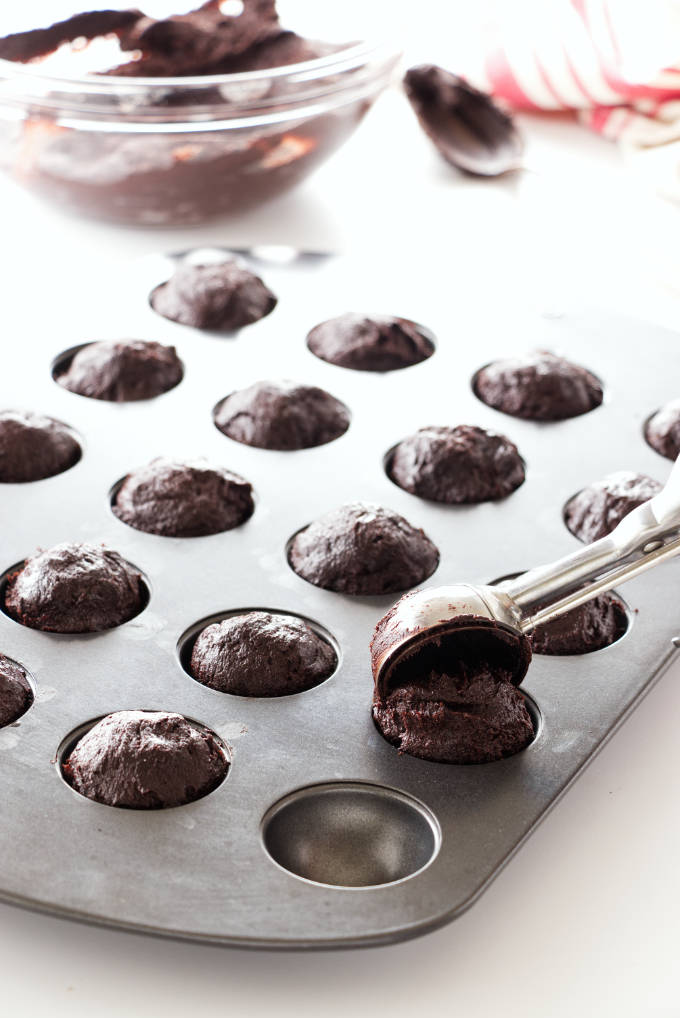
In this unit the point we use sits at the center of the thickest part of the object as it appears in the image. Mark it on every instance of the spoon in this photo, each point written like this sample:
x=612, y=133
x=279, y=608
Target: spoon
x=421, y=621
x=470, y=131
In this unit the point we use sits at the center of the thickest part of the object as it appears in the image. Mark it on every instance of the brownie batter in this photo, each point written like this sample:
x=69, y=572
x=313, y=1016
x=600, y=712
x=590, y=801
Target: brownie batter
x=122, y=371
x=184, y=44
x=663, y=430
x=453, y=699
x=138, y=759
x=163, y=178
x=183, y=499
x=33, y=447
x=363, y=548
x=592, y=626
x=466, y=126
x=16, y=695
x=75, y=588
x=261, y=654
x=596, y=510
x=538, y=387
x=282, y=415
x=370, y=343
x=224, y=296
x=458, y=465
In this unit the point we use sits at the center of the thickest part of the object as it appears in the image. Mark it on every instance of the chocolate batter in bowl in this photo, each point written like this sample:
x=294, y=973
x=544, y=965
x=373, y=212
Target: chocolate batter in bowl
x=179, y=130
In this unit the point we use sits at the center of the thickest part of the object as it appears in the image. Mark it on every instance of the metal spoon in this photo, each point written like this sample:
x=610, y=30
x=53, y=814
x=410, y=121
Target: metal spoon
x=422, y=620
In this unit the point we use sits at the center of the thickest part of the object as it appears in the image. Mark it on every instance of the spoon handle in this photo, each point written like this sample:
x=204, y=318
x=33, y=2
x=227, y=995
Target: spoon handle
x=644, y=538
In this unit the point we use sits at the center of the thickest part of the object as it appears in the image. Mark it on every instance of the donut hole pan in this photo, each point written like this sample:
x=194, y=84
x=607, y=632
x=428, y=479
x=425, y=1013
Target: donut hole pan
x=351, y=835
x=359, y=845
x=185, y=644
x=70, y=741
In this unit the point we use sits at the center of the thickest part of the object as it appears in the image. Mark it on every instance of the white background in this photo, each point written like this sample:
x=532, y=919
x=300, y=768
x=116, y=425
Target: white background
x=586, y=919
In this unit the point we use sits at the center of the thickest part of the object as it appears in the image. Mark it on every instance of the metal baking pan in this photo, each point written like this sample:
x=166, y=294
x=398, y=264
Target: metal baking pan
x=312, y=785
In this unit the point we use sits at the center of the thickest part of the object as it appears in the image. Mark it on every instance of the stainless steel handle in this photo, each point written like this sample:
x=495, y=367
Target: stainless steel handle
x=644, y=538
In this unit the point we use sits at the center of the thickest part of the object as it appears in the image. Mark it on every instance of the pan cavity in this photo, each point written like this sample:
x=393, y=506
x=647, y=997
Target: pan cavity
x=350, y=834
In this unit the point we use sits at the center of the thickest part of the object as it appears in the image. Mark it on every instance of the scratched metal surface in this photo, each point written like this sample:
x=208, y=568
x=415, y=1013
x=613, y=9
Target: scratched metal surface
x=201, y=871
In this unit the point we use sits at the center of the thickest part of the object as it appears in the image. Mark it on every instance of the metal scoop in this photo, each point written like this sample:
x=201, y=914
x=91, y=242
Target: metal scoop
x=423, y=620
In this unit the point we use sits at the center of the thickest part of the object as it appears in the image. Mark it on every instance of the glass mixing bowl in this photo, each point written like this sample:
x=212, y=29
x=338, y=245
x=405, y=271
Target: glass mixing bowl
x=174, y=151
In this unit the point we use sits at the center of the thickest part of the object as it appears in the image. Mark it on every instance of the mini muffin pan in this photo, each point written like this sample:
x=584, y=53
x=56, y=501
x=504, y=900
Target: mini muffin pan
x=322, y=835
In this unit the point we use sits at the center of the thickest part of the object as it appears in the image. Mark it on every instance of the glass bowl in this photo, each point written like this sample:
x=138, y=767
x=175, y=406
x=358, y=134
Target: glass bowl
x=177, y=151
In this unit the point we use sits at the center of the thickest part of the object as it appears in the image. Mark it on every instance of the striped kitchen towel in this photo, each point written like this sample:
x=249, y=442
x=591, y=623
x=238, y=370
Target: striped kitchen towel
x=616, y=62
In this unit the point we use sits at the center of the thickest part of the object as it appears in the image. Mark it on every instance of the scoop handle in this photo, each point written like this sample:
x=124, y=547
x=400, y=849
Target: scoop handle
x=643, y=539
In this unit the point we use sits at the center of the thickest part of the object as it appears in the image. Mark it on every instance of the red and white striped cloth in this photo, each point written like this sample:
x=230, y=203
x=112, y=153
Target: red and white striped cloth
x=617, y=62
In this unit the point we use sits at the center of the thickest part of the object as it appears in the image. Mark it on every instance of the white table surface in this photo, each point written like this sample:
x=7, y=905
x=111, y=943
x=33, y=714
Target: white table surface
x=585, y=920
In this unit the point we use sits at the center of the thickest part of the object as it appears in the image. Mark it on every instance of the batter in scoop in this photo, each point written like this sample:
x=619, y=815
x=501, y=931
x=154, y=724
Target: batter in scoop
x=453, y=700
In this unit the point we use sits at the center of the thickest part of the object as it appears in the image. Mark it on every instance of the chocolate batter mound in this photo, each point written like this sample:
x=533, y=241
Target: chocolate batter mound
x=183, y=499
x=458, y=465
x=362, y=548
x=122, y=371
x=138, y=759
x=538, y=387
x=223, y=296
x=592, y=626
x=466, y=126
x=75, y=588
x=38, y=42
x=370, y=343
x=16, y=695
x=261, y=654
x=194, y=43
x=663, y=430
x=596, y=510
x=282, y=415
x=183, y=44
x=453, y=700
x=33, y=447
